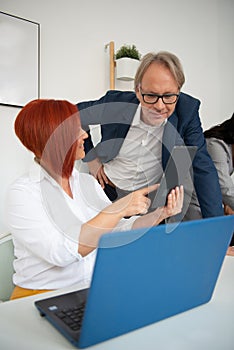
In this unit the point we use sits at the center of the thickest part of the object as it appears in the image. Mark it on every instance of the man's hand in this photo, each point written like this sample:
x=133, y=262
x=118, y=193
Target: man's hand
x=96, y=169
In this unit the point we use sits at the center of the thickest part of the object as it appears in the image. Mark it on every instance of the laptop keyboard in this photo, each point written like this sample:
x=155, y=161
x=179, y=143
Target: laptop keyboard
x=72, y=316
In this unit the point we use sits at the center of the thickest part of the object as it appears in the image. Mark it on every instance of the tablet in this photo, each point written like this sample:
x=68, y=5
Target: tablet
x=176, y=171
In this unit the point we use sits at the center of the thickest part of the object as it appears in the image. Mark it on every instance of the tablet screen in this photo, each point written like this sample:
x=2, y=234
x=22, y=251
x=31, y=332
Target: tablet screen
x=177, y=169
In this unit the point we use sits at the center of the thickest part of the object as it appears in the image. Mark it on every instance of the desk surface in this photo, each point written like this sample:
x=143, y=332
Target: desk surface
x=210, y=326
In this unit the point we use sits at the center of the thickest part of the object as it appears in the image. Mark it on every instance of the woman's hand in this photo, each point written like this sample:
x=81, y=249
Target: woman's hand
x=230, y=251
x=134, y=203
x=174, y=202
x=228, y=210
x=174, y=206
x=137, y=203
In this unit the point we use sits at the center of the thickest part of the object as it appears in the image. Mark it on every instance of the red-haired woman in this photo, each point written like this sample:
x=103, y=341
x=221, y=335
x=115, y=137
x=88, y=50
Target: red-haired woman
x=56, y=215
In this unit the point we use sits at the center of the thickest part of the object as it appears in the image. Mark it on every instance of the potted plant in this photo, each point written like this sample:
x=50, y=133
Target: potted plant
x=127, y=60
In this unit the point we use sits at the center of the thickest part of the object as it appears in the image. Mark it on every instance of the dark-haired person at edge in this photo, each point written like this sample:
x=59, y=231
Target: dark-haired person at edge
x=220, y=145
x=139, y=130
x=56, y=215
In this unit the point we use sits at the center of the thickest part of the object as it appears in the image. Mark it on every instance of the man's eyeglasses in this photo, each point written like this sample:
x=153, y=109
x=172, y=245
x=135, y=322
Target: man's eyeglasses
x=167, y=99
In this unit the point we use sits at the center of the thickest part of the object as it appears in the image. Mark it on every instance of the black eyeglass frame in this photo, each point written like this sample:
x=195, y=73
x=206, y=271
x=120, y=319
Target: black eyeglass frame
x=157, y=96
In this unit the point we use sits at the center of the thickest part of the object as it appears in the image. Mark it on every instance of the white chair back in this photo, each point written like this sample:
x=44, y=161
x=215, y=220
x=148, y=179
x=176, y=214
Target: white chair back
x=6, y=267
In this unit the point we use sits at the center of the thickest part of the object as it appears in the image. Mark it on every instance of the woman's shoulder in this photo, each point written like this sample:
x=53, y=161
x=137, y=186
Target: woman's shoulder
x=214, y=142
x=23, y=181
x=23, y=191
x=30, y=181
x=218, y=148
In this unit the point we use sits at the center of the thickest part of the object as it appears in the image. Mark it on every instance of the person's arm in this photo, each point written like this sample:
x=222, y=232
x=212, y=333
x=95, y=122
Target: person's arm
x=206, y=180
x=33, y=227
x=47, y=234
x=221, y=156
x=132, y=204
x=109, y=112
x=90, y=113
x=97, y=170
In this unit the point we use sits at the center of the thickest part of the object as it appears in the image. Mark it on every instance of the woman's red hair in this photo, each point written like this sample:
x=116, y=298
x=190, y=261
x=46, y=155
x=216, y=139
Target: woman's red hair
x=50, y=128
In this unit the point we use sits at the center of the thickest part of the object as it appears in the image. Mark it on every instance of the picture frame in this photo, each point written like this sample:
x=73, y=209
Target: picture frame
x=19, y=60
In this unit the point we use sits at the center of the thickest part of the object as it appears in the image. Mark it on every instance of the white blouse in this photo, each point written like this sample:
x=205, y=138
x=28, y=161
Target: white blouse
x=45, y=224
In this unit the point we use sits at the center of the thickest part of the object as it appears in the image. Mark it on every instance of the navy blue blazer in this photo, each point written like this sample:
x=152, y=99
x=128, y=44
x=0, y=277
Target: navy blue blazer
x=114, y=112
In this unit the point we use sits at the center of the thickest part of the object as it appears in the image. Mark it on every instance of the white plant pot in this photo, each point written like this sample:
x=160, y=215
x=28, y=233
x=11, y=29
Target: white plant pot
x=126, y=68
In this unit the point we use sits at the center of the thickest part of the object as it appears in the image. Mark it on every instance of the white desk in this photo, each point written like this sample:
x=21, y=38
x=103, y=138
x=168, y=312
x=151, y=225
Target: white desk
x=210, y=326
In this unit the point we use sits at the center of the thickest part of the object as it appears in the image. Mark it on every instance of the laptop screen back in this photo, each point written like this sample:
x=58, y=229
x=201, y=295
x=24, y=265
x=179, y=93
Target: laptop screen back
x=147, y=275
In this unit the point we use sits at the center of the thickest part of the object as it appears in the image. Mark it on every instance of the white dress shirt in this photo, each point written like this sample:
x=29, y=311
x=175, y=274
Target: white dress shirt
x=45, y=224
x=139, y=162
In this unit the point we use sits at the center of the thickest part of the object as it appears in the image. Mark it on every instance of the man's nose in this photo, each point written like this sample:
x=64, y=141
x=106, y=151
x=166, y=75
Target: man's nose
x=159, y=104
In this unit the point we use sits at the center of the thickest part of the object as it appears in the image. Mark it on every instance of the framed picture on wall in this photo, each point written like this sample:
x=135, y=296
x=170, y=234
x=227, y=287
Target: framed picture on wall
x=19, y=60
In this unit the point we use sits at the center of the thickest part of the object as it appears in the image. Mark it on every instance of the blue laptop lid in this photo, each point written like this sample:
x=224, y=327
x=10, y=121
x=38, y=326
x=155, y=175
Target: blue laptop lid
x=143, y=276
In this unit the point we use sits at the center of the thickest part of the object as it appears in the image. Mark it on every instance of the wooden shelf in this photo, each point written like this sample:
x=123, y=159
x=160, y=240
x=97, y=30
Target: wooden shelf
x=111, y=46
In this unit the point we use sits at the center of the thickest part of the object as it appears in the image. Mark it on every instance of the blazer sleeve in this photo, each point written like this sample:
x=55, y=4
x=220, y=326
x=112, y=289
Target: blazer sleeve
x=113, y=113
x=91, y=114
x=206, y=181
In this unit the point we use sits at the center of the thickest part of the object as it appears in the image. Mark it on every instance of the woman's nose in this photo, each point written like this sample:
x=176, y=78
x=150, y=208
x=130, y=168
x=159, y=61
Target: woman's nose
x=84, y=134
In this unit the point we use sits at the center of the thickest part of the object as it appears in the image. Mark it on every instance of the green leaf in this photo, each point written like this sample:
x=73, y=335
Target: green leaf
x=128, y=51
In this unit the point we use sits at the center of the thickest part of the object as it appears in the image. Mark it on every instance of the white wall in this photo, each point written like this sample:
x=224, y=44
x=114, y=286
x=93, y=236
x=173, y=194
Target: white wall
x=74, y=64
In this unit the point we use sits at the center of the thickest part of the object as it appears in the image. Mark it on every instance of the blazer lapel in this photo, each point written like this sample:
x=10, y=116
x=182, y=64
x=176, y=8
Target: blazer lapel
x=171, y=137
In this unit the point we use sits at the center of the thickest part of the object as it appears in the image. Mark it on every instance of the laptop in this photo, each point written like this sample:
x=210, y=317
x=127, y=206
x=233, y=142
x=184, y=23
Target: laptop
x=141, y=277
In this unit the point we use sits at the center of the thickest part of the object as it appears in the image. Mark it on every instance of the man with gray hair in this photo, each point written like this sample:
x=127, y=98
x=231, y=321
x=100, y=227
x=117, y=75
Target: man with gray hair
x=139, y=130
